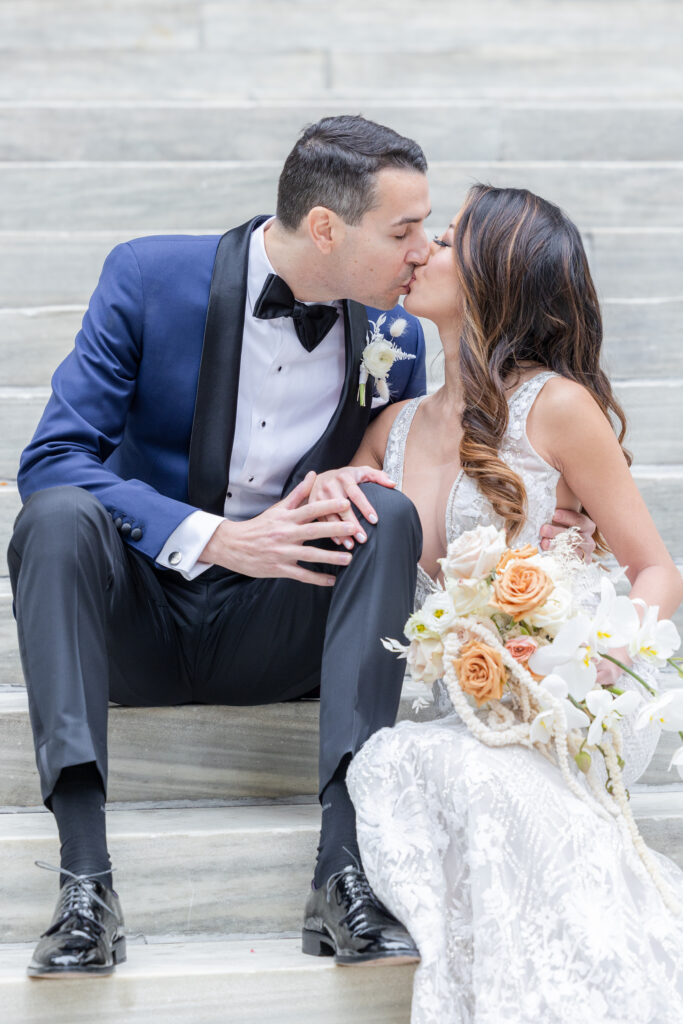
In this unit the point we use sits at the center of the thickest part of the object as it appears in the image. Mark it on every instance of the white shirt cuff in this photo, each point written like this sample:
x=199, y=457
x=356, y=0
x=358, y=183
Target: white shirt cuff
x=186, y=543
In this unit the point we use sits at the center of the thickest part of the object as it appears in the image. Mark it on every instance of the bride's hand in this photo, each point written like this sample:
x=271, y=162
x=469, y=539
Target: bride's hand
x=608, y=673
x=563, y=519
x=344, y=483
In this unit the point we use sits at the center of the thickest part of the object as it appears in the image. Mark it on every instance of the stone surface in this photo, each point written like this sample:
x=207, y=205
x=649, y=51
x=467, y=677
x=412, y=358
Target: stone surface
x=192, y=870
x=193, y=752
x=652, y=409
x=253, y=980
x=46, y=268
x=531, y=26
x=266, y=130
x=199, y=195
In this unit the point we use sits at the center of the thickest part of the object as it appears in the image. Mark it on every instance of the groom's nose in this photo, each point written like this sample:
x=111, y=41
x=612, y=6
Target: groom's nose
x=419, y=253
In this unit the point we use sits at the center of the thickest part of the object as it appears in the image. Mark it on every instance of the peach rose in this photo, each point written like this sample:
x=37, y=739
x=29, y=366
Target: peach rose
x=521, y=587
x=528, y=551
x=481, y=672
x=521, y=647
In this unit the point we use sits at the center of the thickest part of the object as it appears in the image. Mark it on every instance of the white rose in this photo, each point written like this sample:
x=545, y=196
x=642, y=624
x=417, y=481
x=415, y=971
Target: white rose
x=425, y=660
x=468, y=595
x=554, y=612
x=438, y=612
x=474, y=554
x=378, y=357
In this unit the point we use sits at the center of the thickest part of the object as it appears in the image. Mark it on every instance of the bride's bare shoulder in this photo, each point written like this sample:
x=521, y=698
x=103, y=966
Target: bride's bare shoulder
x=561, y=404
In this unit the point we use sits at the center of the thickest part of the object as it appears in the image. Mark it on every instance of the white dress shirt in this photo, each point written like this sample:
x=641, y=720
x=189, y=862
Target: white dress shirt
x=286, y=398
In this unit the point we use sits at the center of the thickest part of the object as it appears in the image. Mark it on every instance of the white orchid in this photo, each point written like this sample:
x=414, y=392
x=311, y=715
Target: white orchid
x=570, y=656
x=655, y=640
x=607, y=710
x=543, y=724
x=677, y=761
x=666, y=711
x=616, y=621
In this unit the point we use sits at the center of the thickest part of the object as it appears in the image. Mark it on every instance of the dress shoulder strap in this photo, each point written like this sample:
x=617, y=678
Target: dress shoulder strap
x=525, y=395
x=396, y=442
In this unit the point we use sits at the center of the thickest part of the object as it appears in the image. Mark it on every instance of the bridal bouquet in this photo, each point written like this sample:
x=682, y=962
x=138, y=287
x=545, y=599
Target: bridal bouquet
x=516, y=636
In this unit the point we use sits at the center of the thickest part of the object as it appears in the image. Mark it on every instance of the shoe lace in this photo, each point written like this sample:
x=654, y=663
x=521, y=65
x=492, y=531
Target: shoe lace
x=78, y=894
x=356, y=889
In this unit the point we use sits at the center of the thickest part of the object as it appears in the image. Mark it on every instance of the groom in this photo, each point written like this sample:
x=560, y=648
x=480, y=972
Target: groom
x=166, y=552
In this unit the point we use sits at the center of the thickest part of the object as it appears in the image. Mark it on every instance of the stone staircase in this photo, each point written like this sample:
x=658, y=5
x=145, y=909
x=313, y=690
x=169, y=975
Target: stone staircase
x=130, y=118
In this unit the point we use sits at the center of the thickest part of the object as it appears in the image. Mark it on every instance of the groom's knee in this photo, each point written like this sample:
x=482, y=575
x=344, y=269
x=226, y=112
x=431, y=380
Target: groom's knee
x=397, y=516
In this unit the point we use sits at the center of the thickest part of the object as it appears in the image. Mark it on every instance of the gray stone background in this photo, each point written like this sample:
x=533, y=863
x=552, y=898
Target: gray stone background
x=126, y=117
x=137, y=116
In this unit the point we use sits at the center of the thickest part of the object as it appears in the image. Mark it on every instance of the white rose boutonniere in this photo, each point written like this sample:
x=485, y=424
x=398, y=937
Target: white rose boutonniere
x=379, y=355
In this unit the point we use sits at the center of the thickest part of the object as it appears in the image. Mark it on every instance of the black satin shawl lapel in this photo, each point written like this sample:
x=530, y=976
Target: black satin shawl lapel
x=344, y=432
x=213, y=426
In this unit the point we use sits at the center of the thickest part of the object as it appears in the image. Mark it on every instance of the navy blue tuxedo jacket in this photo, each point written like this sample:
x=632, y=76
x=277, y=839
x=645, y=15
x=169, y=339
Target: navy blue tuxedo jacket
x=142, y=412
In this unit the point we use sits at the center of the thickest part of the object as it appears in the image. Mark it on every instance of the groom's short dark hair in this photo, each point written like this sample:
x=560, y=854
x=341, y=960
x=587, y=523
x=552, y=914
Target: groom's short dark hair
x=334, y=164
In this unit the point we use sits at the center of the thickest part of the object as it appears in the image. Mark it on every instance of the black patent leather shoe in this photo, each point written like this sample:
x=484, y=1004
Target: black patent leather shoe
x=86, y=933
x=344, y=919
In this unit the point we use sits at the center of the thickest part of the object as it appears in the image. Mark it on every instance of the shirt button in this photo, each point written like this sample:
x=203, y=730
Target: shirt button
x=279, y=369
x=251, y=479
x=175, y=558
x=229, y=494
x=263, y=423
x=136, y=534
x=125, y=529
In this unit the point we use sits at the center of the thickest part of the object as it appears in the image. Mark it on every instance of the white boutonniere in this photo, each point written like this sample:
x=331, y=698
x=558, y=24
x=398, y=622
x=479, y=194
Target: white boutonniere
x=379, y=355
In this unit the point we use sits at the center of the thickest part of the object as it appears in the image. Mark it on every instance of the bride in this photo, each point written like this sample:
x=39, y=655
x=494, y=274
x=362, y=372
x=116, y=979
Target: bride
x=527, y=906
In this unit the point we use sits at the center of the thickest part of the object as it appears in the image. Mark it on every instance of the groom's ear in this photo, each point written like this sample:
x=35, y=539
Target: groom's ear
x=325, y=228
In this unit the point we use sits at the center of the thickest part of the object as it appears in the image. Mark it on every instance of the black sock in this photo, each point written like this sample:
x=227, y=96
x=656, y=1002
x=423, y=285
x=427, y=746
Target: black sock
x=77, y=803
x=338, y=844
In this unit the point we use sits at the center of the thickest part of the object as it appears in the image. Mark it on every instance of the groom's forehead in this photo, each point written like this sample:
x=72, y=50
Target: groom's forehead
x=402, y=196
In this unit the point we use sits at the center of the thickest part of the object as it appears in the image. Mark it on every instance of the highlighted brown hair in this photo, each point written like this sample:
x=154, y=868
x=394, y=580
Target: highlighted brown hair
x=528, y=296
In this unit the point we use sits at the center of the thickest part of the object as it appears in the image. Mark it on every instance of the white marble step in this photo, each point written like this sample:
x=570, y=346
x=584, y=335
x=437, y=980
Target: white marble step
x=660, y=485
x=190, y=870
x=241, y=980
x=652, y=409
x=249, y=130
x=530, y=26
x=215, y=869
x=305, y=73
x=191, y=752
x=641, y=335
x=630, y=264
x=101, y=195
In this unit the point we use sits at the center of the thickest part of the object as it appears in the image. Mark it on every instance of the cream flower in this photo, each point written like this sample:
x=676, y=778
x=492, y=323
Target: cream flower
x=474, y=554
x=555, y=610
x=425, y=660
x=438, y=612
x=468, y=595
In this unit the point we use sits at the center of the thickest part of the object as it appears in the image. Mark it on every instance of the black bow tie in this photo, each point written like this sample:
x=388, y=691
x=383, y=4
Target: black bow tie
x=311, y=323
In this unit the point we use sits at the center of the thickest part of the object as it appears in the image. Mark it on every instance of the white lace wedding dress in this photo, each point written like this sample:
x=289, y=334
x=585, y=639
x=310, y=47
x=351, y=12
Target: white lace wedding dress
x=528, y=906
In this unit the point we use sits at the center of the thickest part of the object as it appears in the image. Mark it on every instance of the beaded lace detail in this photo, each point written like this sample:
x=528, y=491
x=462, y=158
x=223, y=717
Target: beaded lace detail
x=526, y=905
x=467, y=507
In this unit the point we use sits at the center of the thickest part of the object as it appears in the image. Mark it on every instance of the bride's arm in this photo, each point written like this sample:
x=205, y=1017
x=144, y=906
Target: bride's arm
x=569, y=430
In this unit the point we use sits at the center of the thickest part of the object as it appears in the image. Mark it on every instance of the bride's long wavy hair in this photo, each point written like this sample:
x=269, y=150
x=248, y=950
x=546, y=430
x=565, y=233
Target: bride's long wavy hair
x=528, y=296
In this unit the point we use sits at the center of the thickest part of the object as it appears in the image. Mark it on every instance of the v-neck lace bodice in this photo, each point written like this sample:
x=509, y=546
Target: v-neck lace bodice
x=466, y=506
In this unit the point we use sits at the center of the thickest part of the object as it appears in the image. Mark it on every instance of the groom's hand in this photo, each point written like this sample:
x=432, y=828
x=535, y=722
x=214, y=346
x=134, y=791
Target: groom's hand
x=563, y=519
x=344, y=483
x=271, y=545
